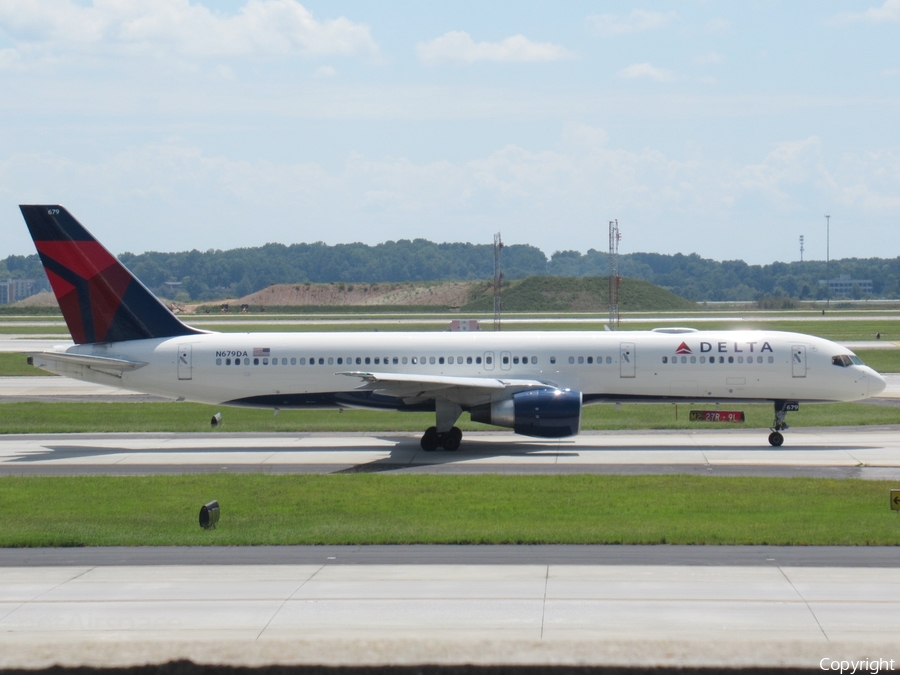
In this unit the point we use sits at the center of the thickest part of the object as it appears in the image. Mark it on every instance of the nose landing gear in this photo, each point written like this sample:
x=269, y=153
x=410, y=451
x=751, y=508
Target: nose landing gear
x=776, y=438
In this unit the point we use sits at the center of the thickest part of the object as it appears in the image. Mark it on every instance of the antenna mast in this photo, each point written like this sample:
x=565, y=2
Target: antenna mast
x=498, y=280
x=614, y=278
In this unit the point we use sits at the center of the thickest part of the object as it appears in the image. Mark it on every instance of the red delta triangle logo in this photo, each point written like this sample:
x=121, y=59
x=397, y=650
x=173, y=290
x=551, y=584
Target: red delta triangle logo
x=683, y=349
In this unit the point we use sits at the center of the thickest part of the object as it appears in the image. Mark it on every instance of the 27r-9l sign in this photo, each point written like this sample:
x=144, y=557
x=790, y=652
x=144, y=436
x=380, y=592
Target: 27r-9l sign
x=717, y=416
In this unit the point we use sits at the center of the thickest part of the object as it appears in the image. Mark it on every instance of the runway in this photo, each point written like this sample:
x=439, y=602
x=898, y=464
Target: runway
x=837, y=452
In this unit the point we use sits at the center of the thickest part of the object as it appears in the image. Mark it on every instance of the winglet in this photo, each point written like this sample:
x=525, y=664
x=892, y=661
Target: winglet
x=100, y=299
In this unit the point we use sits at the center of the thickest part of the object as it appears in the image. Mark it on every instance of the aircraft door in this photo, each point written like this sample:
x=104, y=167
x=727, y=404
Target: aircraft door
x=489, y=360
x=505, y=360
x=184, y=362
x=626, y=359
x=798, y=360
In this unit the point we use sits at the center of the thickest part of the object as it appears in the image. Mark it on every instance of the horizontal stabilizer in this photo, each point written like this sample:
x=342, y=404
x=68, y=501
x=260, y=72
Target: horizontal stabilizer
x=103, y=364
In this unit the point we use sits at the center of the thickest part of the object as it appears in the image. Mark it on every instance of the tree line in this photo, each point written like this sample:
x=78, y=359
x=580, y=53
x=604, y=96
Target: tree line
x=214, y=274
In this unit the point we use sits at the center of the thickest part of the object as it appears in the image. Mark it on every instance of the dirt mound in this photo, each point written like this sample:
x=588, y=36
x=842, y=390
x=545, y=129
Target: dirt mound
x=42, y=299
x=448, y=294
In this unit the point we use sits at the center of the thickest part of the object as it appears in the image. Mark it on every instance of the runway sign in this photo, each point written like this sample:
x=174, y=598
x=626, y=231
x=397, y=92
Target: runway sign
x=895, y=500
x=717, y=416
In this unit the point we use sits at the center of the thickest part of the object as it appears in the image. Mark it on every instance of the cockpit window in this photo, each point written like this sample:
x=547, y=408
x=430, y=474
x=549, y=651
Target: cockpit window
x=843, y=360
x=856, y=360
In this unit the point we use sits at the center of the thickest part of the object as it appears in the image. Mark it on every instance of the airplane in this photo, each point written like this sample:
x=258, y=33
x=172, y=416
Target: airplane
x=534, y=382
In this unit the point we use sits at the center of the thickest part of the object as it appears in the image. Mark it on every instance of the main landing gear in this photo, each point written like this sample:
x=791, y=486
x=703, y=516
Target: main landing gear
x=776, y=438
x=444, y=434
x=449, y=440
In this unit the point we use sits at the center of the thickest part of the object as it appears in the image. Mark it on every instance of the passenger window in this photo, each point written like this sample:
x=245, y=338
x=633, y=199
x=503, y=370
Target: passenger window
x=265, y=362
x=693, y=359
x=702, y=359
x=590, y=359
x=771, y=359
x=505, y=360
x=609, y=359
x=302, y=361
x=515, y=360
x=730, y=359
x=227, y=362
x=256, y=362
x=580, y=359
x=487, y=359
x=321, y=361
x=684, y=359
x=441, y=360
x=665, y=359
x=340, y=360
x=759, y=359
x=534, y=359
x=552, y=359
x=740, y=359
x=358, y=360
x=415, y=360
x=395, y=360
x=368, y=360
x=469, y=360
x=431, y=360
x=376, y=360
x=571, y=359
x=330, y=360
x=246, y=362
x=294, y=361
x=218, y=362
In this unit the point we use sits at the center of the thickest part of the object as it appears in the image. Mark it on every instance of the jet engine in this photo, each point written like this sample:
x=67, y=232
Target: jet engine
x=545, y=413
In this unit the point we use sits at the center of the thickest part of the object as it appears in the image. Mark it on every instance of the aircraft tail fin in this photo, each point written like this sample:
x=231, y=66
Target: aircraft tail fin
x=100, y=299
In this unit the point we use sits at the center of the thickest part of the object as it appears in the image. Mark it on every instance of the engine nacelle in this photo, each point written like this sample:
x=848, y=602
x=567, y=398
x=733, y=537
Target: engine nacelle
x=545, y=413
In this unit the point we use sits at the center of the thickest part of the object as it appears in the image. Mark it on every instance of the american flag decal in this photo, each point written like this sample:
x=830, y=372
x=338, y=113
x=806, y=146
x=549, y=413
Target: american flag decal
x=261, y=351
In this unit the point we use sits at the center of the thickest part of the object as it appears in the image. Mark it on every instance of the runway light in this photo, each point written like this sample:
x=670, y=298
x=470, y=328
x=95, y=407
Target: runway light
x=216, y=420
x=209, y=515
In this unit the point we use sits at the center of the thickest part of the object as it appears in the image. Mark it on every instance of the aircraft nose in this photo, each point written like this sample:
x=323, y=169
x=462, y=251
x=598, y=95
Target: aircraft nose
x=877, y=383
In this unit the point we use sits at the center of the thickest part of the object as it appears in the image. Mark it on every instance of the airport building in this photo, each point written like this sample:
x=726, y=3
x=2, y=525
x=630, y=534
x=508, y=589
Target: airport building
x=843, y=285
x=13, y=290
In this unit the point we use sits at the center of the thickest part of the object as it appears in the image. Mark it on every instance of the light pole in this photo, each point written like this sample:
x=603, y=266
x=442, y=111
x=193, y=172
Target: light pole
x=827, y=259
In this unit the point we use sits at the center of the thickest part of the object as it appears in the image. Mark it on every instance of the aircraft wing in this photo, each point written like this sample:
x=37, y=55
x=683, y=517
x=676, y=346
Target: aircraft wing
x=102, y=364
x=403, y=385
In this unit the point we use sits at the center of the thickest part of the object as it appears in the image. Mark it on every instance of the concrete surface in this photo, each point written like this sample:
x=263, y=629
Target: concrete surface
x=396, y=614
x=866, y=452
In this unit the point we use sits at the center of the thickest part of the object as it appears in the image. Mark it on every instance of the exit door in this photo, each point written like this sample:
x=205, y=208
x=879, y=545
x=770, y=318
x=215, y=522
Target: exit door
x=184, y=362
x=798, y=361
x=626, y=359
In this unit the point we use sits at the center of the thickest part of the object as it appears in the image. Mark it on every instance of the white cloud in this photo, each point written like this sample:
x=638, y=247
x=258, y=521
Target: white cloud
x=887, y=13
x=647, y=71
x=457, y=46
x=175, y=196
x=325, y=71
x=9, y=58
x=637, y=21
x=708, y=59
x=718, y=25
x=268, y=28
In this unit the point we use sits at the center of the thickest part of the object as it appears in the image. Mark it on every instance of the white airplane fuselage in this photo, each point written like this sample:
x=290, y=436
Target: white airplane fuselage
x=299, y=370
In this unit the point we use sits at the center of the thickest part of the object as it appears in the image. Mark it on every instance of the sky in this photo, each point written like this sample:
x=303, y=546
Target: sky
x=726, y=129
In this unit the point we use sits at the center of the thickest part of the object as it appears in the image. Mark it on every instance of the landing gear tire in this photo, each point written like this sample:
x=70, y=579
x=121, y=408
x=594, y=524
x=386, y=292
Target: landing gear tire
x=452, y=439
x=776, y=439
x=429, y=440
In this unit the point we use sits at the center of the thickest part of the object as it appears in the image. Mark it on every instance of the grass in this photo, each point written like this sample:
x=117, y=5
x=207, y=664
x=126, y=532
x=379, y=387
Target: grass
x=90, y=417
x=15, y=365
x=881, y=360
x=380, y=509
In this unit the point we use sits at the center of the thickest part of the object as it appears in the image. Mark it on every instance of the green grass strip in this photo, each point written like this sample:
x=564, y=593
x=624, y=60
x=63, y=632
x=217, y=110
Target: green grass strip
x=484, y=509
x=40, y=417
